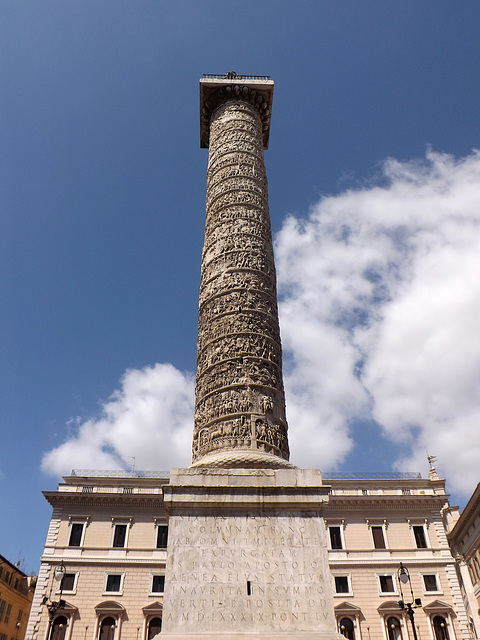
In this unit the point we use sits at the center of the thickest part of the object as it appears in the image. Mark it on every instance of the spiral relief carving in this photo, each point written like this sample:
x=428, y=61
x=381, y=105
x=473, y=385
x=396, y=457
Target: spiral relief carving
x=239, y=404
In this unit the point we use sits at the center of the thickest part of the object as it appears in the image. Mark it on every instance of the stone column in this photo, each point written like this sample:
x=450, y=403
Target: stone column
x=247, y=552
x=240, y=405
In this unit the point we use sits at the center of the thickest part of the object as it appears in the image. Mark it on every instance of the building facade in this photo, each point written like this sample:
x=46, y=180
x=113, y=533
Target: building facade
x=464, y=538
x=16, y=594
x=376, y=524
x=110, y=532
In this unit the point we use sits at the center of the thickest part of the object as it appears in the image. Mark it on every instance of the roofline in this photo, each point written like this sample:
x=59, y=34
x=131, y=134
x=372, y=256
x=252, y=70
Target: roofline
x=468, y=513
x=13, y=566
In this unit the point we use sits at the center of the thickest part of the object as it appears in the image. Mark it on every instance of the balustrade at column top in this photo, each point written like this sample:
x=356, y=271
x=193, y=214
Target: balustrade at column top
x=257, y=90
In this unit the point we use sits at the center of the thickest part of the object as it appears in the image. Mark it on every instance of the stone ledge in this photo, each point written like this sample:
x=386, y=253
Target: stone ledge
x=281, y=635
x=219, y=476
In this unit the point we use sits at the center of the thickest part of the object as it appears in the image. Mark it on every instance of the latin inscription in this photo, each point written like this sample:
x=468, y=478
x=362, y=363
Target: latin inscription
x=243, y=571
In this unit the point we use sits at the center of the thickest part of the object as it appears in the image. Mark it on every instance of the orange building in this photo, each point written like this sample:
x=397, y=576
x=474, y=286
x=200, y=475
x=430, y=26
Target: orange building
x=16, y=595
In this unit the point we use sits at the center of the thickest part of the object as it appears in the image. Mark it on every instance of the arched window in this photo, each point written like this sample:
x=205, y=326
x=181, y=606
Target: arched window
x=393, y=628
x=59, y=628
x=107, y=629
x=346, y=628
x=109, y=620
x=154, y=628
x=440, y=628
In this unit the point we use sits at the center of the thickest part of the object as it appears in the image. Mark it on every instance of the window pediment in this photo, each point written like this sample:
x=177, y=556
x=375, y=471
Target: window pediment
x=109, y=606
x=155, y=607
x=390, y=605
x=438, y=606
x=347, y=608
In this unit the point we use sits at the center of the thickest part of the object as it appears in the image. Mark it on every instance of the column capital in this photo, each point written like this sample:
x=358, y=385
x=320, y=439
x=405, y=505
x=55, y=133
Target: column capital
x=215, y=89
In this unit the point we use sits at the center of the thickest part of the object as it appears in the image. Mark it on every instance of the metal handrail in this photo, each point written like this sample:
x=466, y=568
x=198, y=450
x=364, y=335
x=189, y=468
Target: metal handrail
x=376, y=475
x=119, y=473
x=227, y=76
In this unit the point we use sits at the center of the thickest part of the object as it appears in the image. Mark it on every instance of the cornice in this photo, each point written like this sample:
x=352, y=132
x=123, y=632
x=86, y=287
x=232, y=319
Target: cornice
x=400, y=502
x=393, y=560
x=61, y=499
x=467, y=517
x=103, y=560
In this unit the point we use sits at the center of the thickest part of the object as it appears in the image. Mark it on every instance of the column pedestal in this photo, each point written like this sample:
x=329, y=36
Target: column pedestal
x=247, y=555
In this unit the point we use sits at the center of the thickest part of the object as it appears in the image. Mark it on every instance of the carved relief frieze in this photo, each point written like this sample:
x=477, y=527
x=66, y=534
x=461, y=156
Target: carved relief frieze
x=238, y=168
x=230, y=372
x=232, y=347
x=213, y=327
x=251, y=229
x=239, y=388
x=214, y=303
x=237, y=259
x=271, y=434
x=231, y=402
x=234, y=214
x=246, y=163
x=247, y=280
x=231, y=198
x=231, y=185
x=245, y=242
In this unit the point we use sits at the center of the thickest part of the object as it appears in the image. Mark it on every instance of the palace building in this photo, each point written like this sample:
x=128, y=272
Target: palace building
x=110, y=532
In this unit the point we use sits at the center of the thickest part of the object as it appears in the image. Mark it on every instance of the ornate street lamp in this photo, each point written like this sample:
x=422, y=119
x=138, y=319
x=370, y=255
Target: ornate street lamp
x=52, y=605
x=404, y=578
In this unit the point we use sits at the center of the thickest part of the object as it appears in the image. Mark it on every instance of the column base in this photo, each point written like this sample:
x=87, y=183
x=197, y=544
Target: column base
x=247, y=556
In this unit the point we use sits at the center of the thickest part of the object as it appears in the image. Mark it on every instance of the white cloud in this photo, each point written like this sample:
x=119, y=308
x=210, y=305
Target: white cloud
x=149, y=418
x=389, y=279
x=379, y=306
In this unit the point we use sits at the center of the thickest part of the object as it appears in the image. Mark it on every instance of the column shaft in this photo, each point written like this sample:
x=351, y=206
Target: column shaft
x=240, y=405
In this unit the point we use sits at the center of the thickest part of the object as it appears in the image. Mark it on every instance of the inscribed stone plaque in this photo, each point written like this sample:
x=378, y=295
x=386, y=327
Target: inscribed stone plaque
x=248, y=571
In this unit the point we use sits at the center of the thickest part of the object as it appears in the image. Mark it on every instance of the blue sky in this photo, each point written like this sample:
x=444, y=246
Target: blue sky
x=375, y=207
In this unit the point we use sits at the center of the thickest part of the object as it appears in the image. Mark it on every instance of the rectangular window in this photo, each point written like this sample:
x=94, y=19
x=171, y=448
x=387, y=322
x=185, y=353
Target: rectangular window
x=430, y=582
x=76, y=533
x=378, y=538
x=119, y=535
x=420, y=540
x=341, y=584
x=473, y=577
x=7, y=613
x=68, y=582
x=158, y=584
x=162, y=536
x=2, y=609
x=335, y=538
x=476, y=567
x=386, y=584
x=114, y=583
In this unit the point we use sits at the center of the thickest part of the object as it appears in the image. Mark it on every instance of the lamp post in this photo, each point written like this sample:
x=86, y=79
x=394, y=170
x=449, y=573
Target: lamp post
x=404, y=578
x=52, y=605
